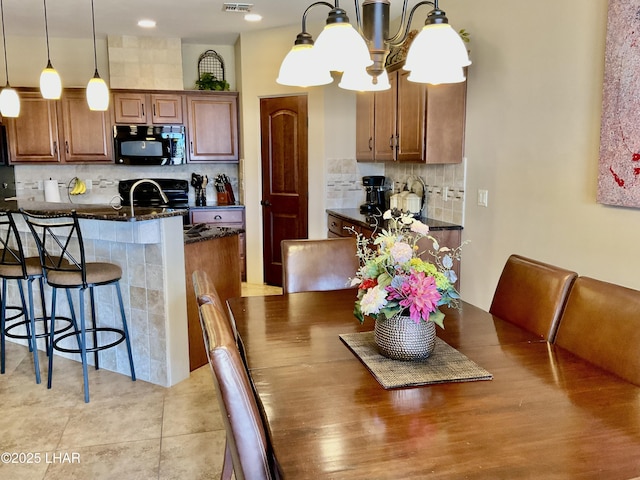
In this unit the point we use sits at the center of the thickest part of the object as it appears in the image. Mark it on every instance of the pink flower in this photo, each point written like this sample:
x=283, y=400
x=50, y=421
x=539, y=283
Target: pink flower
x=419, y=293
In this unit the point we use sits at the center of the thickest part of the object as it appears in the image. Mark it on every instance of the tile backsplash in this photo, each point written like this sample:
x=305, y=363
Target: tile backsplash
x=344, y=185
x=104, y=179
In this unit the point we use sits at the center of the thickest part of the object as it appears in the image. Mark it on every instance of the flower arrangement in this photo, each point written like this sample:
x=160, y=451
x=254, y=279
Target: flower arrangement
x=393, y=279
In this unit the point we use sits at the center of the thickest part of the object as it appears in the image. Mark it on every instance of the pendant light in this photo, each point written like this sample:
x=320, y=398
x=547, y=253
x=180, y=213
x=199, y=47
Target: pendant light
x=50, y=83
x=97, y=90
x=9, y=99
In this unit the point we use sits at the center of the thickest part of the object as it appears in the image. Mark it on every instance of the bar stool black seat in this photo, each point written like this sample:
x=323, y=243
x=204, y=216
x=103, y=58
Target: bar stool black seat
x=14, y=265
x=62, y=256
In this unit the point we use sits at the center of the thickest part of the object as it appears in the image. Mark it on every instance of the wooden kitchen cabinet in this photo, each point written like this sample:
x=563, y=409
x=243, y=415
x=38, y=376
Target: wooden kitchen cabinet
x=145, y=108
x=411, y=122
x=212, y=127
x=49, y=131
x=225, y=217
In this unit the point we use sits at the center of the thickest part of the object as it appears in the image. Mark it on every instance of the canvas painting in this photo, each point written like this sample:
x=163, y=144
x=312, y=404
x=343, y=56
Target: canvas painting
x=619, y=173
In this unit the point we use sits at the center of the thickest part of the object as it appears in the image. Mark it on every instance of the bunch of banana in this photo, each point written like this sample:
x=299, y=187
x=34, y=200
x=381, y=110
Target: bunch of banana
x=78, y=188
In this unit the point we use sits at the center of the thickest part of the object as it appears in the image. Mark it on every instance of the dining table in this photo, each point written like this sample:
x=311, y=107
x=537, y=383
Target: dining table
x=544, y=414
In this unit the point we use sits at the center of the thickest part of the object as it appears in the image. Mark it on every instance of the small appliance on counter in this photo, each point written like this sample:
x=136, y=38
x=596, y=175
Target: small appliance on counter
x=374, y=186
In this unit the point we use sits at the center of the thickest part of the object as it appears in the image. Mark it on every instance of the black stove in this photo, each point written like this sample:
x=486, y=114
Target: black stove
x=147, y=195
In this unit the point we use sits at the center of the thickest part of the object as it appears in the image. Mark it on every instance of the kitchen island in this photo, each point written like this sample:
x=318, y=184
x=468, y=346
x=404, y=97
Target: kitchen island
x=148, y=244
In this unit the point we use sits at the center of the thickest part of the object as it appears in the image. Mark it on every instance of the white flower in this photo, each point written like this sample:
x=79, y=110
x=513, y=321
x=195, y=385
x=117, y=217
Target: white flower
x=401, y=252
x=419, y=227
x=387, y=215
x=373, y=300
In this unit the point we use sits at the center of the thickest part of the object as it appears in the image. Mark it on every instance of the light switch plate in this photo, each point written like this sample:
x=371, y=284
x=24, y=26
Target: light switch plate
x=483, y=198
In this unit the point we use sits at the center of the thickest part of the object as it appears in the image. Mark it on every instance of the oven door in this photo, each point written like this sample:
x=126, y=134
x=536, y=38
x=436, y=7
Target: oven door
x=149, y=145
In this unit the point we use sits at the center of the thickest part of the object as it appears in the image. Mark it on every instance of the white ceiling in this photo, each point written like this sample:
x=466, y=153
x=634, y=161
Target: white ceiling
x=195, y=21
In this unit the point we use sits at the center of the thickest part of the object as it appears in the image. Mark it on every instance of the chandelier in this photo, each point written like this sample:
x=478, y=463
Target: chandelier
x=436, y=55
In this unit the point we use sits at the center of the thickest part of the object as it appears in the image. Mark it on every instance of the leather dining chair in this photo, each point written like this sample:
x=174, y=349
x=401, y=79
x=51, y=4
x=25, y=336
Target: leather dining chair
x=318, y=265
x=247, y=452
x=62, y=257
x=532, y=294
x=601, y=324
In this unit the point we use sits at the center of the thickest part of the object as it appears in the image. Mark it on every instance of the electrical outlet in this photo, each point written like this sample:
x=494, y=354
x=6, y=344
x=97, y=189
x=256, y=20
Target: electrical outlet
x=483, y=198
x=88, y=183
x=445, y=193
x=40, y=185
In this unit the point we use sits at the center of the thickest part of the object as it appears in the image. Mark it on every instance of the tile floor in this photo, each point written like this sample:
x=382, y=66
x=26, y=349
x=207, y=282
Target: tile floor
x=129, y=430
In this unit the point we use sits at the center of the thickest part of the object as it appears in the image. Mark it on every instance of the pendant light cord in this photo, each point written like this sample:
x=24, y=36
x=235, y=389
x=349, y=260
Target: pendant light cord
x=93, y=23
x=46, y=31
x=4, y=42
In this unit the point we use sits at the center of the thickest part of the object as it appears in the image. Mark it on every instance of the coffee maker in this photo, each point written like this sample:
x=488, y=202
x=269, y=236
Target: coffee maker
x=375, y=196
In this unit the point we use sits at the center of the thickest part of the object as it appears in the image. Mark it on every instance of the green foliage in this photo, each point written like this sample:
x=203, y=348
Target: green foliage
x=464, y=35
x=208, y=81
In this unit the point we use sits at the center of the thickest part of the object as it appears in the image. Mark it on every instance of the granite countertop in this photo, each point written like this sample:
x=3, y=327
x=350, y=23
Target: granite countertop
x=202, y=232
x=92, y=211
x=353, y=215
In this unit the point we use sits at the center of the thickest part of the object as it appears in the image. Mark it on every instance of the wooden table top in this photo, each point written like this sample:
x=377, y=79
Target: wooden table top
x=546, y=413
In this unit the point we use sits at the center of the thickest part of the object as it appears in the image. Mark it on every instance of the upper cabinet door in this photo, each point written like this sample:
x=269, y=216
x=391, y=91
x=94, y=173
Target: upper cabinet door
x=86, y=134
x=33, y=136
x=385, y=138
x=166, y=109
x=445, y=121
x=364, y=126
x=130, y=108
x=213, y=127
x=410, y=118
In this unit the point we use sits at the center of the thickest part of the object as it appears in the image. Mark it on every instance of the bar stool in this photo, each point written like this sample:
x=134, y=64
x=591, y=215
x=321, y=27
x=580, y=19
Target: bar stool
x=14, y=265
x=62, y=256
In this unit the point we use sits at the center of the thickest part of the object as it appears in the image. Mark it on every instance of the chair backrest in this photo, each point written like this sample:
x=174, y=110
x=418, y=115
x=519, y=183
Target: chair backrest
x=205, y=290
x=601, y=324
x=317, y=265
x=246, y=433
x=12, y=253
x=532, y=294
x=59, y=241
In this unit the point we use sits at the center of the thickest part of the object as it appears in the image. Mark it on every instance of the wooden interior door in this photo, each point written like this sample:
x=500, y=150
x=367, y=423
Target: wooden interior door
x=284, y=149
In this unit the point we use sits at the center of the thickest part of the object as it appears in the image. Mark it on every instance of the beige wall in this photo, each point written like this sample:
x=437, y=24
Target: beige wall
x=533, y=120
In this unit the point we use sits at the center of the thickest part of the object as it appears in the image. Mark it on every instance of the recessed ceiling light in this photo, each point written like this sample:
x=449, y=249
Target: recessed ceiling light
x=252, y=17
x=147, y=23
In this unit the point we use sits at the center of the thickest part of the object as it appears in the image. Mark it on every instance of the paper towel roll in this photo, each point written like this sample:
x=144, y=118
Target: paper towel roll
x=51, y=191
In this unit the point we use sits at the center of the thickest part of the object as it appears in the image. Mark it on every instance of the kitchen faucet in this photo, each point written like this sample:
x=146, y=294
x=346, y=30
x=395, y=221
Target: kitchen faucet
x=145, y=180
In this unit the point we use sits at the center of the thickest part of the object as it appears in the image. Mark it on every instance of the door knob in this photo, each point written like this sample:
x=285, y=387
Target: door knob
x=265, y=203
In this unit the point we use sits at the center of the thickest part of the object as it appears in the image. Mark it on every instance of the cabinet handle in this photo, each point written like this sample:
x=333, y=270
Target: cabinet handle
x=370, y=143
x=154, y=109
x=391, y=142
x=143, y=109
x=217, y=217
x=191, y=143
x=55, y=148
x=66, y=146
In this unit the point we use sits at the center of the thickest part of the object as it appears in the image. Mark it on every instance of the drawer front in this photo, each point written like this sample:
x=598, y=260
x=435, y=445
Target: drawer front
x=218, y=216
x=334, y=225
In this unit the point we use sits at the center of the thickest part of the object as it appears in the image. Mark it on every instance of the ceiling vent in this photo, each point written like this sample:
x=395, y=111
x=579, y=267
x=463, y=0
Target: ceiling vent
x=237, y=7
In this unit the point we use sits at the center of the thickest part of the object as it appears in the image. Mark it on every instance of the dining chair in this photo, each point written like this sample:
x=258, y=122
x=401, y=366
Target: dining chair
x=532, y=294
x=63, y=260
x=601, y=324
x=247, y=451
x=15, y=265
x=318, y=265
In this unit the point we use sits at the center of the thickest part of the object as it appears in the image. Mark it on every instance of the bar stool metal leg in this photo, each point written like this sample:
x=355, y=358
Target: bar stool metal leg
x=126, y=331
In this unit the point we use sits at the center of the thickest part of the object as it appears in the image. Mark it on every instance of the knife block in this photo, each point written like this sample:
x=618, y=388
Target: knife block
x=223, y=198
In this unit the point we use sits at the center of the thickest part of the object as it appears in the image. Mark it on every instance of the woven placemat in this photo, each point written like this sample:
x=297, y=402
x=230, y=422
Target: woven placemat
x=445, y=364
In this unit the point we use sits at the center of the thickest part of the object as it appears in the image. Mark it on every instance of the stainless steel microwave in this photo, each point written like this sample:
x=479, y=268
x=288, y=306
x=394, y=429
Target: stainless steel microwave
x=149, y=144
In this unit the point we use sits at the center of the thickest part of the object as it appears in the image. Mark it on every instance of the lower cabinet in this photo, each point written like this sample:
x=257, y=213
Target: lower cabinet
x=225, y=217
x=452, y=238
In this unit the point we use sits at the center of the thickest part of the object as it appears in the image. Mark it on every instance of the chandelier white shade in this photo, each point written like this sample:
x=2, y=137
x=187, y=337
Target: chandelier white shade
x=436, y=55
x=301, y=68
x=340, y=46
x=9, y=102
x=360, y=80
